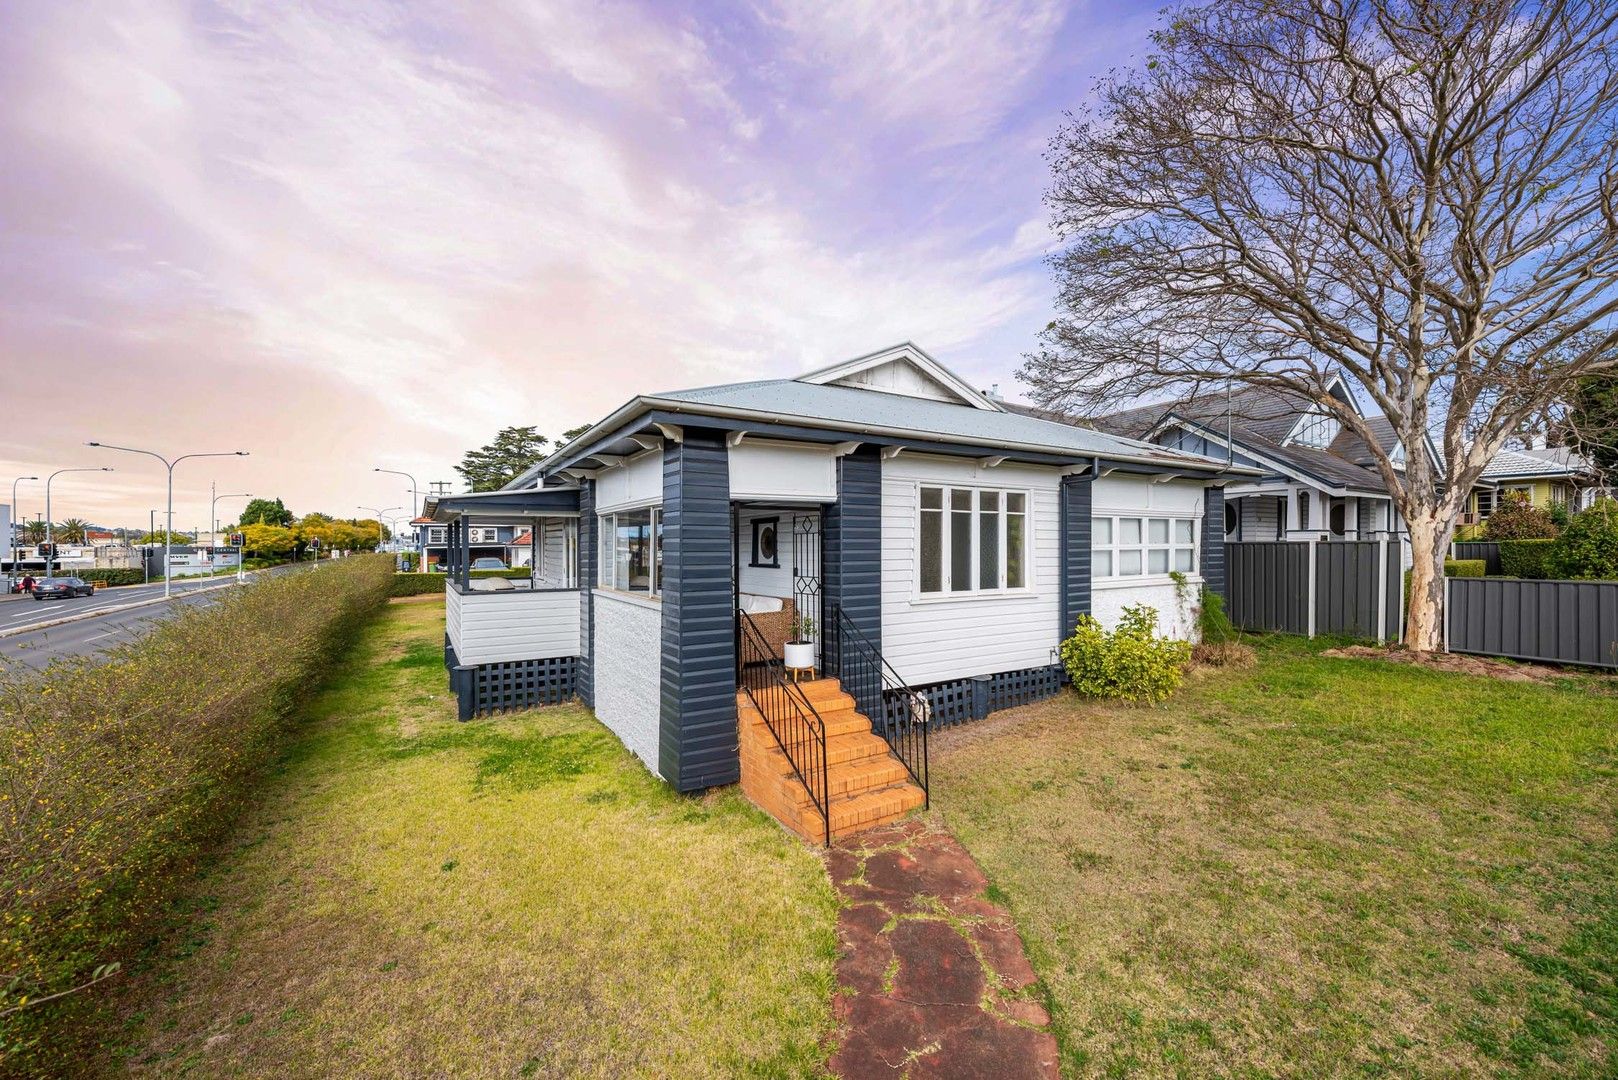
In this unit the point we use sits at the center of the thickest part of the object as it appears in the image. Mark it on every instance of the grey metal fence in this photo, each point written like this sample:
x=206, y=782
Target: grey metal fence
x=1353, y=587
x=1487, y=550
x=1559, y=622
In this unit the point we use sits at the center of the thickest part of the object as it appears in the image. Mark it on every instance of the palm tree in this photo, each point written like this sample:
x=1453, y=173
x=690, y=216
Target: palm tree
x=32, y=532
x=72, y=531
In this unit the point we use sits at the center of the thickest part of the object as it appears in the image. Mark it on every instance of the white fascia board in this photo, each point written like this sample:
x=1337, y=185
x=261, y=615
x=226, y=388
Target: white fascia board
x=1296, y=475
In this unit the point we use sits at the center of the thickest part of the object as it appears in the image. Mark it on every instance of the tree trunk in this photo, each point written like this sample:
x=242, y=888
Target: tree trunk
x=1424, y=623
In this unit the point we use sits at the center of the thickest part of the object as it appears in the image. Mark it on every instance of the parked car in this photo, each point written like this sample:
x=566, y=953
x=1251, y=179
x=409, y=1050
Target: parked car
x=488, y=562
x=62, y=588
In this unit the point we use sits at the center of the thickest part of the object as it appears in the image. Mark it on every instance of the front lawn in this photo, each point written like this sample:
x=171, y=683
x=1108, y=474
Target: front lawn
x=1313, y=867
x=511, y=897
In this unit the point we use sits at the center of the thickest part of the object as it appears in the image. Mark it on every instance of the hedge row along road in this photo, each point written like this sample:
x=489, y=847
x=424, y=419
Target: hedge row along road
x=111, y=617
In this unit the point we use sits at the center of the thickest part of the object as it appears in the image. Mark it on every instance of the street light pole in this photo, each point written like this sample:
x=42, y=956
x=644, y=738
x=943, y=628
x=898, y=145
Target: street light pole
x=50, y=535
x=415, y=493
x=213, y=523
x=168, y=529
x=11, y=539
x=380, y=539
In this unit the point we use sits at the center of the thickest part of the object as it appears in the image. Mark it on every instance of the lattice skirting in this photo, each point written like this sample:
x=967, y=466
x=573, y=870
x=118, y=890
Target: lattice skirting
x=961, y=700
x=512, y=684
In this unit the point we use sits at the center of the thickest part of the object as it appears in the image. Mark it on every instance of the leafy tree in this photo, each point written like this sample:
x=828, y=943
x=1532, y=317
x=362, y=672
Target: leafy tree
x=1592, y=420
x=31, y=532
x=266, y=512
x=1417, y=197
x=573, y=433
x=71, y=531
x=1518, y=519
x=157, y=538
x=1588, y=547
x=268, y=541
x=496, y=464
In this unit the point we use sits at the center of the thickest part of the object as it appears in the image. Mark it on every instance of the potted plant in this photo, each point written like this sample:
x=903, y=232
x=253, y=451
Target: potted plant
x=800, y=647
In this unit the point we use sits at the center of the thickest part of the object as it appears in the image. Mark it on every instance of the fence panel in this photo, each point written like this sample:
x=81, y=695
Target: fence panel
x=1269, y=587
x=1487, y=550
x=1557, y=622
x=1267, y=582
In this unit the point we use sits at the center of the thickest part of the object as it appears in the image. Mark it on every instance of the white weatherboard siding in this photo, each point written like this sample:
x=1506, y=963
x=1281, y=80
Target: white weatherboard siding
x=521, y=625
x=899, y=377
x=931, y=640
x=452, y=618
x=1261, y=517
x=1133, y=495
x=782, y=472
x=628, y=670
x=766, y=580
x=637, y=482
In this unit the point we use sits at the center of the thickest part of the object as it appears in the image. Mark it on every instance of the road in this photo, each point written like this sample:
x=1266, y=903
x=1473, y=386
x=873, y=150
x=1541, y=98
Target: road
x=91, y=635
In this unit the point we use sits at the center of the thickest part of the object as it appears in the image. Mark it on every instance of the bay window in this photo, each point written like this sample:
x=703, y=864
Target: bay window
x=1124, y=546
x=632, y=550
x=972, y=540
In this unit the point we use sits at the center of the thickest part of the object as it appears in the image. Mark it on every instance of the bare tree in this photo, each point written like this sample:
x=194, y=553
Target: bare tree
x=1419, y=195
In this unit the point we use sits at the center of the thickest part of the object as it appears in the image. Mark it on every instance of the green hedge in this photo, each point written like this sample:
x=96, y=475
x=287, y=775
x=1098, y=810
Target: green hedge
x=1525, y=558
x=121, y=576
x=1464, y=567
x=122, y=770
x=408, y=584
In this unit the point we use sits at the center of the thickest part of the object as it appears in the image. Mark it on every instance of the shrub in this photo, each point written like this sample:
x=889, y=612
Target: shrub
x=1525, y=558
x=1233, y=654
x=1588, y=548
x=1516, y=519
x=1213, y=625
x=119, y=576
x=120, y=770
x=416, y=584
x=1464, y=567
x=1132, y=662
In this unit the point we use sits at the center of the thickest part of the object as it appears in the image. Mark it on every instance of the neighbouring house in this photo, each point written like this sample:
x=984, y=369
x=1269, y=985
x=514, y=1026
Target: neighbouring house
x=930, y=545
x=1318, y=479
x=486, y=540
x=1548, y=476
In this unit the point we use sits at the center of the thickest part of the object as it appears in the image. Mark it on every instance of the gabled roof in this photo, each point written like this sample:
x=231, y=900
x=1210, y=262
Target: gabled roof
x=1527, y=465
x=864, y=371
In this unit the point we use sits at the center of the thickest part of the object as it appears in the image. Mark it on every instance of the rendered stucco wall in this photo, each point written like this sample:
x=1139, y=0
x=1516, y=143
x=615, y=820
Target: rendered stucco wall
x=628, y=680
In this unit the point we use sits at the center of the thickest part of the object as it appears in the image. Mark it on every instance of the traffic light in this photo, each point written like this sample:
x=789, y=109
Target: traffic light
x=46, y=551
x=236, y=539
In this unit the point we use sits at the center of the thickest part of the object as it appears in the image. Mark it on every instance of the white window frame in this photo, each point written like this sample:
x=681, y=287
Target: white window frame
x=1115, y=546
x=607, y=527
x=1318, y=429
x=437, y=534
x=483, y=534
x=946, y=552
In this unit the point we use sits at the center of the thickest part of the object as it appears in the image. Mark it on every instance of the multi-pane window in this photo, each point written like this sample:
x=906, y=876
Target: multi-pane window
x=1130, y=546
x=972, y=540
x=436, y=534
x=482, y=534
x=632, y=550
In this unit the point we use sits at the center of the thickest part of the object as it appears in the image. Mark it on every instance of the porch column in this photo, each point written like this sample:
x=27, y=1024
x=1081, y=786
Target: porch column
x=1074, y=514
x=697, y=743
x=851, y=538
x=1213, y=539
x=585, y=683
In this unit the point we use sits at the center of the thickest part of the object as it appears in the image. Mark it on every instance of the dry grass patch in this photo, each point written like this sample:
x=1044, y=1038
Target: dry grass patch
x=1311, y=867
x=511, y=897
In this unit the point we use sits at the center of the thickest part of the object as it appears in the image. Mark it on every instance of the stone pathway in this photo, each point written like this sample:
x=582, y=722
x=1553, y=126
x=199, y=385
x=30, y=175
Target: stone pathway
x=932, y=978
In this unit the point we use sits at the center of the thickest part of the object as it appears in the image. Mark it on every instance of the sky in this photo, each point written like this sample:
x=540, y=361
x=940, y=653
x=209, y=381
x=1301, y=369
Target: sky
x=349, y=235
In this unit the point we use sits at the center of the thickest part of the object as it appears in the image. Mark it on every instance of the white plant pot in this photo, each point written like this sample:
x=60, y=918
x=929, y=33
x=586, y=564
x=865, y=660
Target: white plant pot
x=800, y=654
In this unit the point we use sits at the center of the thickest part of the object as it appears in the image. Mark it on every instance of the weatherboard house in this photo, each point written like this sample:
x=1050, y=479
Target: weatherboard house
x=914, y=548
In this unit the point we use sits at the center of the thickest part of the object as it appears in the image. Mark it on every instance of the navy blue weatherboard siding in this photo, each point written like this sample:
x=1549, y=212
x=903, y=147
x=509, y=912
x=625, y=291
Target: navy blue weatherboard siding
x=1213, y=539
x=852, y=539
x=588, y=549
x=1075, y=552
x=697, y=744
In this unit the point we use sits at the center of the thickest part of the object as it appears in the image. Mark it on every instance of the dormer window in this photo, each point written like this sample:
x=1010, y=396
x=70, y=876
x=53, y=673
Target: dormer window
x=1317, y=429
x=1398, y=456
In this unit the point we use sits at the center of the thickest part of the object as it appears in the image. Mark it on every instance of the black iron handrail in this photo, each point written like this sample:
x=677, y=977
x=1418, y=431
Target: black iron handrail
x=792, y=720
x=866, y=674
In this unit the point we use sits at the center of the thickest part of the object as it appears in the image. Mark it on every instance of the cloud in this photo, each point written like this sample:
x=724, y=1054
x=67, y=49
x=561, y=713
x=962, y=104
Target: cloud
x=445, y=220
x=954, y=67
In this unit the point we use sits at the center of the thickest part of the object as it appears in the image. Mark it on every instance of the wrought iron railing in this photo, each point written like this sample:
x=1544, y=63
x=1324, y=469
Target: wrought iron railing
x=792, y=720
x=901, y=713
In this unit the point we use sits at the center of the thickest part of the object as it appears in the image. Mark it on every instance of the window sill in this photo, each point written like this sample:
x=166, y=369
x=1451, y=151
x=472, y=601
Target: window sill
x=1142, y=581
x=644, y=600
x=979, y=594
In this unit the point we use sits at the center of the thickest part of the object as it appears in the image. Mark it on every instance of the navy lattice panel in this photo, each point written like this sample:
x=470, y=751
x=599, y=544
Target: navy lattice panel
x=961, y=700
x=522, y=684
x=1012, y=688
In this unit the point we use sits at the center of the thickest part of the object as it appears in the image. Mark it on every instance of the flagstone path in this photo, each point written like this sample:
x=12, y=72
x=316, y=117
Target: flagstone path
x=932, y=978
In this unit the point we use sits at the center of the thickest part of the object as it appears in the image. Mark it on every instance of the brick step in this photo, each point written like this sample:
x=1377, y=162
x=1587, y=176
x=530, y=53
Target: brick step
x=842, y=778
x=820, y=702
x=856, y=813
x=837, y=722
